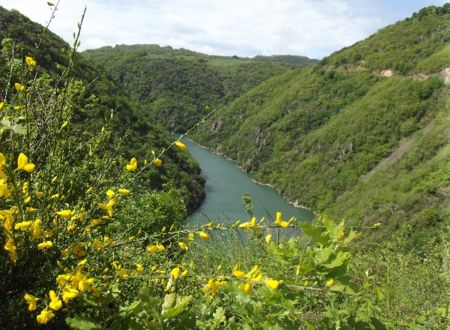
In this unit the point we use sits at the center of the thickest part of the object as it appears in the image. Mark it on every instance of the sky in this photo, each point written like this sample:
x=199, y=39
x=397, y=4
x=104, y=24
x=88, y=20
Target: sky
x=313, y=28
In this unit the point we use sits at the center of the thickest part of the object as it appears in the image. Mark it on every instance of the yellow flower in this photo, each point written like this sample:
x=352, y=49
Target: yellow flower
x=155, y=248
x=175, y=273
x=31, y=301
x=204, y=236
x=213, y=286
x=23, y=164
x=55, y=302
x=110, y=193
x=31, y=62
x=280, y=222
x=2, y=159
x=250, y=225
x=23, y=226
x=238, y=273
x=183, y=246
x=19, y=87
x=191, y=236
x=45, y=245
x=255, y=274
x=124, y=192
x=31, y=210
x=8, y=218
x=69, y=294
x=268, y=238
x=247, y=288
x=273, y=284
x=329, y=283
x=132, y=165
x=65, y=213
x=54, y=196
x=139, y=268
x=377, y=225
x=2, y=105
x=180, y=145
x=157, y=162
x=11, y=248
x=4, y=192
x=45, y=316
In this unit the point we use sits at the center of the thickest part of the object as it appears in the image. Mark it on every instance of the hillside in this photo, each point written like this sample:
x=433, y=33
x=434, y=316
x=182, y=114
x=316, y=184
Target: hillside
x=363, y=135
x=135, y=134
x=93, y=239
x=175, y=85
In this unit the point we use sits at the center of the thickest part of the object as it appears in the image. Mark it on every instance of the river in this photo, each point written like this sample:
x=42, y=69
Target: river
x=225, y=185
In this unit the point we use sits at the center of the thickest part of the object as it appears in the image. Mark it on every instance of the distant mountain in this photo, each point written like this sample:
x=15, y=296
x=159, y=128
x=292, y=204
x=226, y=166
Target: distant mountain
x=289, y=59
x=142, y=135
x=175, y=85
x=363, y=135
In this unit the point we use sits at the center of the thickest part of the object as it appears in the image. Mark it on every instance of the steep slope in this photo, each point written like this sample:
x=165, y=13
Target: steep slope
x=175, y=85
x=315, y=133
x=137, y=135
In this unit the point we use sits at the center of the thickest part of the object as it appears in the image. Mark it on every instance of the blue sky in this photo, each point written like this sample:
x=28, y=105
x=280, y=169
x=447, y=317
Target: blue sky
x=314, y=28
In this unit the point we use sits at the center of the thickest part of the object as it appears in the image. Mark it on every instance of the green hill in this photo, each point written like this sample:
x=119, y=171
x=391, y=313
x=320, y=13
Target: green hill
x=175, y=85
x=362, y=135
x=137, y=135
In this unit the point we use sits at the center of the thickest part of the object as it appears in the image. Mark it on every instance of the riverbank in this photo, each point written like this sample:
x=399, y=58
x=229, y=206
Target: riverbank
x=224, y=176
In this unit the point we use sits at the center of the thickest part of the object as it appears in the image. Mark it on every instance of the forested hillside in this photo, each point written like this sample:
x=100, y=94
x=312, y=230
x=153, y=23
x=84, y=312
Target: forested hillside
x=93, y=238
x=175, y=86
x=132, y=130
x=363, y=135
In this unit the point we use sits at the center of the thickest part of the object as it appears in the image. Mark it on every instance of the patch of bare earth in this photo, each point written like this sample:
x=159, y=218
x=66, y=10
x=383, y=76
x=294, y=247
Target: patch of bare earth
x=403, y=147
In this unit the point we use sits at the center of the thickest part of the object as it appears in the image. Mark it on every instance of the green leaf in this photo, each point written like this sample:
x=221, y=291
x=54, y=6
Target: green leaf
x=219, y=317
x=323, y=254
x=342, y=288
x=314, y=232
x=350, y=237
x=19, y=129
x=338, y=260
x=174, y=305
x=81, y=323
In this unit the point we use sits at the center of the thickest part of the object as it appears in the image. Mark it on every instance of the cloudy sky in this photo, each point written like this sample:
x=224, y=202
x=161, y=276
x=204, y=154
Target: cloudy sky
x=314, y=28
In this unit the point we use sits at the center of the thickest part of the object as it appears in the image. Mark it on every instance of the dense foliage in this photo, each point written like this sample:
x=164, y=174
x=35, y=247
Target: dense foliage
x=419, y=44
x=84, y=247
x=175, y=86
x=137, y=134
x=353, y=141
x=87, y=245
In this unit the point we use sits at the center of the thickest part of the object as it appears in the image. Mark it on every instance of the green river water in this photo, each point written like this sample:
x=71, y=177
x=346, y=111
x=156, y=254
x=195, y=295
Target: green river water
x=225, y=185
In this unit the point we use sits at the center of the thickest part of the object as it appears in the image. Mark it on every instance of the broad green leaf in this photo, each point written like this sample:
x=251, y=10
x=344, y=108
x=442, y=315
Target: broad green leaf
x=174, y=305
x=323, y=254
x=19, y=129
x=338, y=260
x=350, y=237
x=81, y=323
x=314, y=232
x=342, y=288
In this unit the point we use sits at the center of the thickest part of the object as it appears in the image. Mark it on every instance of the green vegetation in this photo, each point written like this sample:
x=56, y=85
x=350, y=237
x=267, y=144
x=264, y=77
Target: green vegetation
x=349, y=141
x=130, y=126
x=416, y=45
x=175, y=86
x=93, y=239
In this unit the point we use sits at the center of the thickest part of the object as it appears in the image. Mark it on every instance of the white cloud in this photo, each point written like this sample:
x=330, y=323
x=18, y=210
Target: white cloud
x=242, y=27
